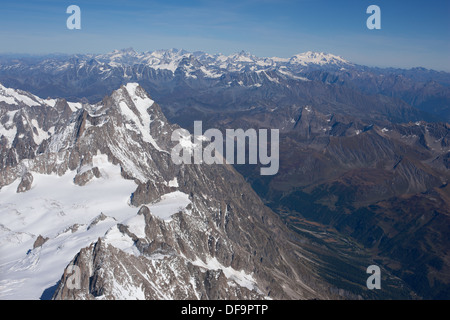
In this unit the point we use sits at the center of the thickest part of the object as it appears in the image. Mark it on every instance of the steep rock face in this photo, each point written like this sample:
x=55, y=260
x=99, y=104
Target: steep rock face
x=198, y=231
x=241, y=237
x=109, y=273
x=224, y=227
x=25, y=183
x=335, y=169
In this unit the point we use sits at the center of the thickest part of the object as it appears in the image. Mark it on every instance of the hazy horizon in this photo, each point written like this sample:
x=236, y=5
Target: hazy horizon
x=413, y=33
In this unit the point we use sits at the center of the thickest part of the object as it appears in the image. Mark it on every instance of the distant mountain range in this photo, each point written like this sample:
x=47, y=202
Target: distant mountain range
x=236, y=76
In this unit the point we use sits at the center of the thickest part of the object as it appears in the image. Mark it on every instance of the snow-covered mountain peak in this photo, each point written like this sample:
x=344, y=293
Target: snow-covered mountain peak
x=129, y=65
x=209, y=64
x=136, y=92
x=131, y=97
x=118, y=55
x=98, y=191
x=134, y=105
x=19, y=97
x=317, y=58
x=129, y=50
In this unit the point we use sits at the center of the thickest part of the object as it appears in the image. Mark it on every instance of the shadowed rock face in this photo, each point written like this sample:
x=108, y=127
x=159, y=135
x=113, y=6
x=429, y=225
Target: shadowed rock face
x=226, y=230
x=365, y=180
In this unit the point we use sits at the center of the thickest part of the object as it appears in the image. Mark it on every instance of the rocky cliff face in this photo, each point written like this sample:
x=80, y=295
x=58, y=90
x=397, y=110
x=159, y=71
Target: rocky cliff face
x=186, y=231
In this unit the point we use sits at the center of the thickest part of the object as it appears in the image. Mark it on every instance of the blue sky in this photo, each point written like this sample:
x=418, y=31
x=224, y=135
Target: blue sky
x=413, y=33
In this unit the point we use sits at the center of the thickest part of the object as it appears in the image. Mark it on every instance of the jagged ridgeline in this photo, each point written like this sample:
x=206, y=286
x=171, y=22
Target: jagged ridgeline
x=98, y=183
x=92, y=188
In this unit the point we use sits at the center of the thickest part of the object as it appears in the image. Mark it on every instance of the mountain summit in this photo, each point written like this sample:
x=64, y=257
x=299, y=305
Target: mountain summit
x=92, y=186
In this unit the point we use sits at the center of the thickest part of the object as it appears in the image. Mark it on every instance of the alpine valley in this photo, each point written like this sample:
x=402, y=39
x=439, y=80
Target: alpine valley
x=87, y=182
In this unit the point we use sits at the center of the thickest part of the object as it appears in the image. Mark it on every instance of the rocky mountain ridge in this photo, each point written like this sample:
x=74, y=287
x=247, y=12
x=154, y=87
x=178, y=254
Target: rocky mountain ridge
x=97, y=183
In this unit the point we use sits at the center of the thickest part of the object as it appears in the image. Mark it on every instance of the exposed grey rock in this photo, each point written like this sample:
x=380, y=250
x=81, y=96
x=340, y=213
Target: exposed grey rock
x=82, y=178
x=226, y=244
x=40, y=240
x=25, y=183
x=226, y=222
x=99, y=218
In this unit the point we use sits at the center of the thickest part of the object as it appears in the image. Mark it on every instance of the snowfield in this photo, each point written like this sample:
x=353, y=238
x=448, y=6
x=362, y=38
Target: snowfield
x=71, y=217
x=47, y=223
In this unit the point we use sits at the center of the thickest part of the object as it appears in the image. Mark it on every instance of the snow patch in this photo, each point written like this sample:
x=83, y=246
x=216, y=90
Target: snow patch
x=56, y=208
x=143, y=119
x=120, y=241
x=136, y=225
x=74, y=106
x=240, y=277
x=9, y=130
x=173, y=183
x=170, y=204
x=41, y=134
x=12, y=96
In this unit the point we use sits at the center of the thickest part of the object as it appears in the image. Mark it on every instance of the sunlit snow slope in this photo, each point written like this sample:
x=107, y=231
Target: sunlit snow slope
x=70, y=216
